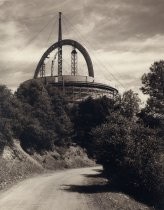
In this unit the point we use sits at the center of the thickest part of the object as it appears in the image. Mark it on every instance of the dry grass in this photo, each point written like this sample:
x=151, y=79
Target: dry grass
x=15, y=165
x=60, y=158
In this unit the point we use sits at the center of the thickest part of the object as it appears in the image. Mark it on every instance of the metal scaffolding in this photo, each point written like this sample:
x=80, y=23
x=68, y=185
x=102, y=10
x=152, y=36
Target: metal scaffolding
x=74, y=62
x=42, y=71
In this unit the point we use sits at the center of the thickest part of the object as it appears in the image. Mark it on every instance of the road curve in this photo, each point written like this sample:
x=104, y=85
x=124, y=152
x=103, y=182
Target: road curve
x=50, y=192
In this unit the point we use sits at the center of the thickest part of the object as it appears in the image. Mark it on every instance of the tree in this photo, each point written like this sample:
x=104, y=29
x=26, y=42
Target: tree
x=47, y=123
x=153, y=85
x=130, y=104
x=128, y=152
x=10, y=114
x=89, y=114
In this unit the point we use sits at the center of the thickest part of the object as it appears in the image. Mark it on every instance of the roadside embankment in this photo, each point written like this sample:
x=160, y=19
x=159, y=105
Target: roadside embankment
x=16, y=164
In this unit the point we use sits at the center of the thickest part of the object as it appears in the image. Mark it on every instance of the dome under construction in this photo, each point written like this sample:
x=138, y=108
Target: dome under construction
x=73, y=86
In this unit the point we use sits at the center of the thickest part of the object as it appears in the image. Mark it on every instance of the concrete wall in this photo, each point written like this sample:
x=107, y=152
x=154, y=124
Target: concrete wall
x=77, y=88
x=77, y=78
x=75, y=94
x=67, y=78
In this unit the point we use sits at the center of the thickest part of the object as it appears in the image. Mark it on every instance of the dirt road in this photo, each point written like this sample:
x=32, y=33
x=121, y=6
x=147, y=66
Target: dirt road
x=64, y=190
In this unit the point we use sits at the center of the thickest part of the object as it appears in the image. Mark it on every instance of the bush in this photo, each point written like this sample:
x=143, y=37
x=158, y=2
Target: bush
x=128, y=152
x=35, y=138
x=89, y=114
x=9, y=116
x=46, y=123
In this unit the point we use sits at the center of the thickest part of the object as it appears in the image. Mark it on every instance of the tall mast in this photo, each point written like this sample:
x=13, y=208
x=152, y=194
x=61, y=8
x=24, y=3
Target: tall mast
x=60, y=28
x=60, y=46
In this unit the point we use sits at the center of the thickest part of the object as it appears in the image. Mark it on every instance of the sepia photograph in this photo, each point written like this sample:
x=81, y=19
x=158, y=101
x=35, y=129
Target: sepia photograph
x=82, y=105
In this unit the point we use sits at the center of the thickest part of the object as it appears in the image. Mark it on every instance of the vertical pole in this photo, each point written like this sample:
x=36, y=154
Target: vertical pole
x=60, y=46
x=52, y=68
x=63, y=86
x=60, y=28
x=162, y=78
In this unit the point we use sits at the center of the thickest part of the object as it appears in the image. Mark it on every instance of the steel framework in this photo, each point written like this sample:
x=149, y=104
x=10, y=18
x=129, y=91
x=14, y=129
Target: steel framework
x=74, y=62
x=64, y=42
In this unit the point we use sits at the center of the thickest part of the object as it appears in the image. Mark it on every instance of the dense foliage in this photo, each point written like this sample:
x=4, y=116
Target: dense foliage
x=36, y=115
x=94, y=112
x=153, y=113
x=129, y=104
x=87, y=115
x=9, y=115
x=117, y=138
x=46, y=123
x=153, y=86
x=128, y=153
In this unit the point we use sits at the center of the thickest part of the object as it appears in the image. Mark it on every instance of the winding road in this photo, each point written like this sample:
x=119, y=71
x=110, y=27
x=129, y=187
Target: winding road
x=73, y=189
x=48, y=192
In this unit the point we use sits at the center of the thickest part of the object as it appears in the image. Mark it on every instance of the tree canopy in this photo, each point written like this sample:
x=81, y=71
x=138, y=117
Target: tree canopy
x=130, y=103
x=47, y=123
x=153, y=85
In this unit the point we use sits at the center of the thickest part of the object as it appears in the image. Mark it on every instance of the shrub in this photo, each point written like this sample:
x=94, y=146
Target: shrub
x=35, y=138
x=128, y=152
x=89, y=114
x=9, y=116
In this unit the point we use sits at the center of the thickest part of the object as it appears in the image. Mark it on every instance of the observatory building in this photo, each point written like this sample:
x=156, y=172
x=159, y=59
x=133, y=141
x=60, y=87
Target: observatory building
x=73, y=86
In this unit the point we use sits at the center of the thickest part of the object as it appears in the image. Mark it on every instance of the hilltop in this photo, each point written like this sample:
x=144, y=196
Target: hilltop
x=53, y=134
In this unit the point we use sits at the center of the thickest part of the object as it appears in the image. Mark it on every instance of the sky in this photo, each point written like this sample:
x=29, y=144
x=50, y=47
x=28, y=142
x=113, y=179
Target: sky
x=123, y=37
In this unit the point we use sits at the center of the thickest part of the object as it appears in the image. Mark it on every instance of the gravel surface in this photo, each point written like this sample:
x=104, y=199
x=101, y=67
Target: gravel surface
x=73, y=189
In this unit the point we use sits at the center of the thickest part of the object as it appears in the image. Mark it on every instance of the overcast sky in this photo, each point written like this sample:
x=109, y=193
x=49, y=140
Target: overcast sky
x=123, y=37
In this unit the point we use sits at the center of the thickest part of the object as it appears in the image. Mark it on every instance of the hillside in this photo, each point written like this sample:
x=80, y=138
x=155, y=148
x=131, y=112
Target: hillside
x=53, y=134
x=16, y=164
